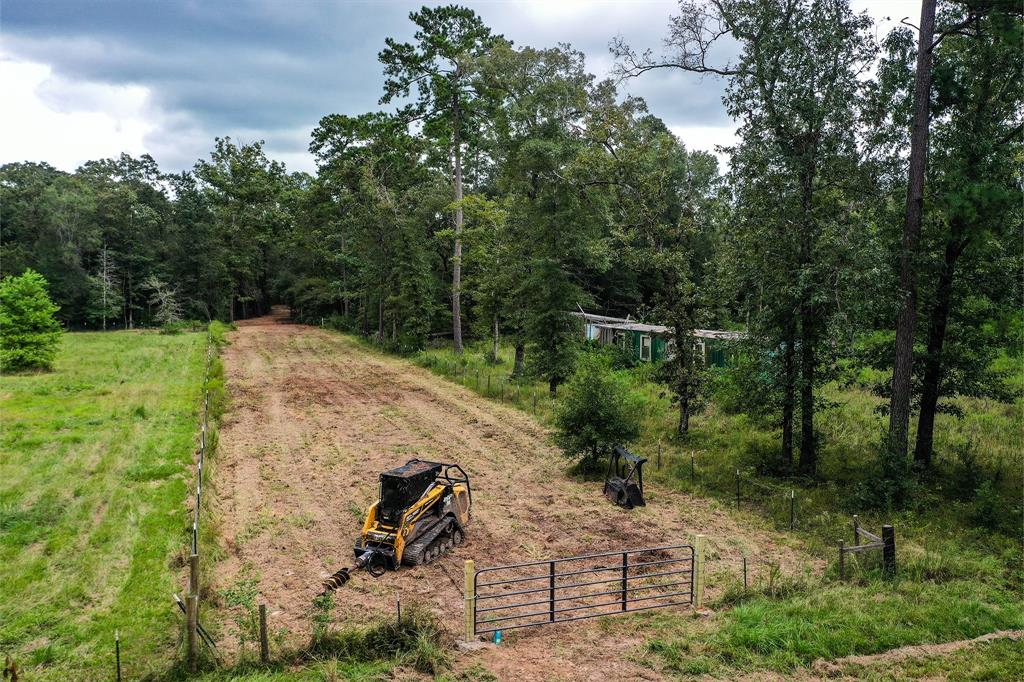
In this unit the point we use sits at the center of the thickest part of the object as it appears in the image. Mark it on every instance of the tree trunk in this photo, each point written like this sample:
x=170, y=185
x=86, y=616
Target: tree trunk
x=808, y=328
x=788, y=396
x=494, y=350
x=932, y=380
x=131, y=317
x=684, y=412
x=553, y=386
x=457, y=258
x=808, y=447
x=380, y=319
x=519, y=367
x=344, y=280
x=106, y=285
x=906, y=321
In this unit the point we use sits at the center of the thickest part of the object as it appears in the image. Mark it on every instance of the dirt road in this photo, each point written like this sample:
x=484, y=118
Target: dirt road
x=314, y=417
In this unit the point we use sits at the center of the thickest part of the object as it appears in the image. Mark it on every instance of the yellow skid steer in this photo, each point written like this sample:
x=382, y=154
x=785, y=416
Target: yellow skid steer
x=422, y=513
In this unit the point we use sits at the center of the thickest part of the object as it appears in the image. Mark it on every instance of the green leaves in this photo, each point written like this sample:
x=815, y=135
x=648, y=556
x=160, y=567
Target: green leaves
x=29, y=334
x=598, y=410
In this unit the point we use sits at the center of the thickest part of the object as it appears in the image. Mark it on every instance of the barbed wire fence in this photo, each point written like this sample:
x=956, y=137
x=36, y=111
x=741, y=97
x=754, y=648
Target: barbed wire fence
x=194, y=630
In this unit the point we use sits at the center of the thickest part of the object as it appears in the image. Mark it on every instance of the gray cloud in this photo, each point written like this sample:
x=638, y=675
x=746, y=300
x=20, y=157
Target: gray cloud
x=270, y=69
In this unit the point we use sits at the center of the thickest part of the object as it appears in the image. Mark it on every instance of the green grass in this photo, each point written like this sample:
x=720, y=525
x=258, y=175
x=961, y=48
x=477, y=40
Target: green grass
x=957, y=580
x=492, y=380
x=829, y=621
x=998, y=660
x=94, y=474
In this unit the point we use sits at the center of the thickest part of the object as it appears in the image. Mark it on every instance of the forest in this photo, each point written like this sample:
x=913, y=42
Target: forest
x=868, y=222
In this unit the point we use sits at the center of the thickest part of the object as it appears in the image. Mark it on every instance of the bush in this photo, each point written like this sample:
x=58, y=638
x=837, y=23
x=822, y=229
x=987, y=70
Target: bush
x=29, y=333
x=599, y=409
x=218, y=332
x=418, y=641
x=988, y=509
x=890, y=483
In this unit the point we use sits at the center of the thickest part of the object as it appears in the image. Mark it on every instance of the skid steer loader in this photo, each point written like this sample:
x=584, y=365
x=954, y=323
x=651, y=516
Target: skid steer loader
x=422, y=513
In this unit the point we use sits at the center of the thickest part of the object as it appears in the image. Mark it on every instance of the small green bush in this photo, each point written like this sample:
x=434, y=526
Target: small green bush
x=218, y=332
x=891, y=483
x=989, y=509
x=600, y=408
x=29, y=333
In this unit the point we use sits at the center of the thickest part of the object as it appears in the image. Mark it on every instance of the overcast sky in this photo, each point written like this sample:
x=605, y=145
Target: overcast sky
x=87, y=79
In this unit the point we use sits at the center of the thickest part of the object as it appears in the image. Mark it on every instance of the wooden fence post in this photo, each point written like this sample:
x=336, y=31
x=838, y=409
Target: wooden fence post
x=737, y=488
x=264, y=641
x=698, y=571
x=470, y=592
x=856, y=530
x=842, y=560
x=888, y=551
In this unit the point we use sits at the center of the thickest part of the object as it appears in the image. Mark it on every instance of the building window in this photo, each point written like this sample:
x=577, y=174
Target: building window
x=645, y=348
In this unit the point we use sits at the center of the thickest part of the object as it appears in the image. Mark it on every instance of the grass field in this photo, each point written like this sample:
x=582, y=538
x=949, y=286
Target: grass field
x=957, y=580
x=95, y=468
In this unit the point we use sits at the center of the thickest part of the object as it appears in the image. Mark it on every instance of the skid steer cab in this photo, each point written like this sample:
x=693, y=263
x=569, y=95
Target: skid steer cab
x=422, y=513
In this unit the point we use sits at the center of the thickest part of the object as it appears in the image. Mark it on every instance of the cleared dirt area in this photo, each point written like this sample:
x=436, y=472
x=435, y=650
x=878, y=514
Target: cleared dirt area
x=314, y=417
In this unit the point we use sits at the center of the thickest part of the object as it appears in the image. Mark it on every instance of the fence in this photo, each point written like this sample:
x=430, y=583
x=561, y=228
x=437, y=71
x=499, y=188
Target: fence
x=560, y=590
x=496, y=385
x=886, y=543
x=193, y=629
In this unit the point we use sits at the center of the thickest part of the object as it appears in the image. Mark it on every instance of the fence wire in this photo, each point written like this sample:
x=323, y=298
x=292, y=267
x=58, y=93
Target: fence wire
x=204, y=427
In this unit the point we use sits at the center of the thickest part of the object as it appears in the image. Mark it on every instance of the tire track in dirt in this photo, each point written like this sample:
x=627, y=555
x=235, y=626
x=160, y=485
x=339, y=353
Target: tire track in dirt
x=314, y=417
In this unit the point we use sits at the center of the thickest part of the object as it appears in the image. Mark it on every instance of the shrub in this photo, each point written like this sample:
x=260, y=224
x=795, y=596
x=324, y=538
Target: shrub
x=890, y=483
x=218, y=332
x=418, y=640
x=599, y=409
x=967, y=472
x=988, y=509
x=29, y=333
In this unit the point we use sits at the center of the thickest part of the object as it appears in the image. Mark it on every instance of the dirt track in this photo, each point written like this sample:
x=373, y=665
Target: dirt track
x=314, y=417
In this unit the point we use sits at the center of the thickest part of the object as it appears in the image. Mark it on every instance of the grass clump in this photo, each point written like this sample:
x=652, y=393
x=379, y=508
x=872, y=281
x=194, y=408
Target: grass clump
x=417, y=641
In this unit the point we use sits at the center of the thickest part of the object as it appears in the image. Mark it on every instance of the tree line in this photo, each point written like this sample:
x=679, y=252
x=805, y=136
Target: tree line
x=870, y=214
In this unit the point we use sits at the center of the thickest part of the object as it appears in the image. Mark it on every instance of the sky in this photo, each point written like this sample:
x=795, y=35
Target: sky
x=88, y=79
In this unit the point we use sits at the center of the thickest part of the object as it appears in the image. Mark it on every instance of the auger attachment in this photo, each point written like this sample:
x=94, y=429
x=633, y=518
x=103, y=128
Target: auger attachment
x=337, y=580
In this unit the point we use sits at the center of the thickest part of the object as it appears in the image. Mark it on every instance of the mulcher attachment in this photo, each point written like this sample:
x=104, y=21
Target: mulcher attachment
x=619, y=486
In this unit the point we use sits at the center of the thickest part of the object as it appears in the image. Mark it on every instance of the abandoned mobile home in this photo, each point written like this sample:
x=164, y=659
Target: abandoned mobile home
x=653, y=342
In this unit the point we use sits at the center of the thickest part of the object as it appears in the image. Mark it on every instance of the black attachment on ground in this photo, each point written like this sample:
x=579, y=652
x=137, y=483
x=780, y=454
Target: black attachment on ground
x=619, y=486
x=337, y=580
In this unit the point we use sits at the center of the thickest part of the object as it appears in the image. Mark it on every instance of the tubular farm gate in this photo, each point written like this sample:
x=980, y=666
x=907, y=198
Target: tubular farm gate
x=575, y=588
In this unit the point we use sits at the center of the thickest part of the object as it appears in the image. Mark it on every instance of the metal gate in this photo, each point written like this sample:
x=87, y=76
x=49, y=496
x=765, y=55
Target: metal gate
x=579, y=587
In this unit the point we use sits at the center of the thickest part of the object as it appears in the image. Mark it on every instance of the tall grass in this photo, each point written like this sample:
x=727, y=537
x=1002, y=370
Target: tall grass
x=96, y=460
x=957, y=579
